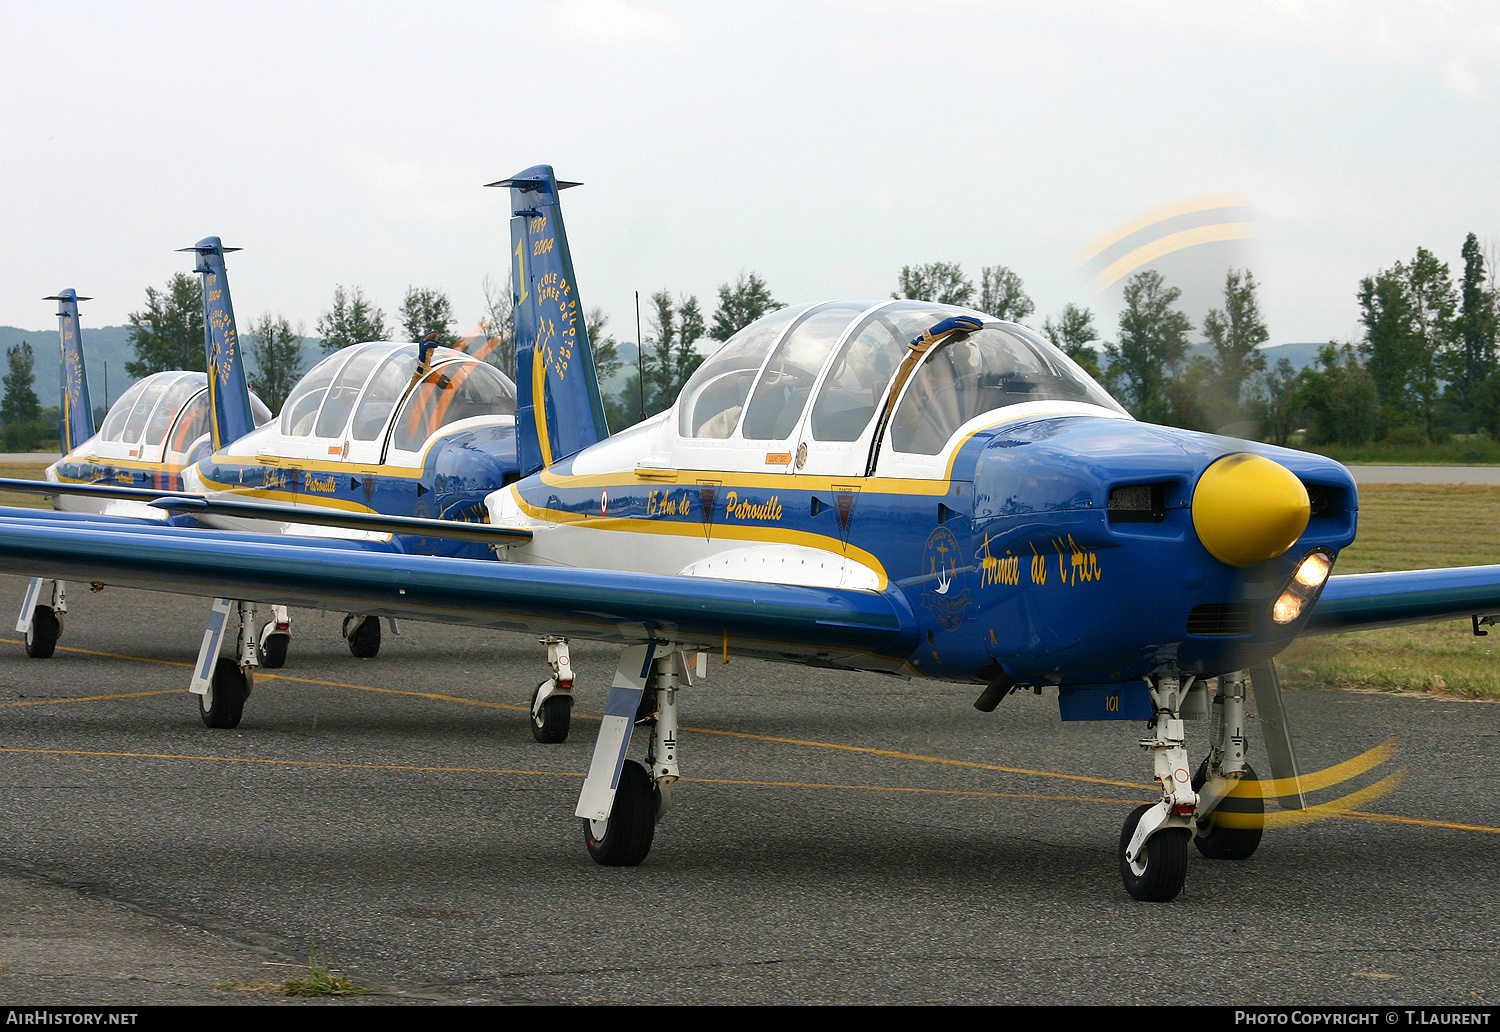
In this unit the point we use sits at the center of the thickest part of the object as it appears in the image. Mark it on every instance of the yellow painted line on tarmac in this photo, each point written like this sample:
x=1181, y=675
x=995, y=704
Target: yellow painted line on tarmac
x=435, y=696
x=290, y=763
x=918, y=791
x=924, y=759
x=1390, y=818
x=107, y=655
x=94, y=698
x=557, y=773
x=1341, y=808
x=1272, y=820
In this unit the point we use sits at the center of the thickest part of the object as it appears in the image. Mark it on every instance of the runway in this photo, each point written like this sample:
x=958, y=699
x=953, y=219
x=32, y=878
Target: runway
x=841, y=838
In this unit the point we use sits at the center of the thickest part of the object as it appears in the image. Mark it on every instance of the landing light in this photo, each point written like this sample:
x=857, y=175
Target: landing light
x=1304, y=587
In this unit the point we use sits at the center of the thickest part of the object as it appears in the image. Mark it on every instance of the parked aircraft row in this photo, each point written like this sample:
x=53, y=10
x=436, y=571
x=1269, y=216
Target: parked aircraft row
x=893, y=486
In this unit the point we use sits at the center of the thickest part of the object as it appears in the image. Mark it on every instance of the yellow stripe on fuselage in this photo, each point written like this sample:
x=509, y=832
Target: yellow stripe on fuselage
x=758, y=534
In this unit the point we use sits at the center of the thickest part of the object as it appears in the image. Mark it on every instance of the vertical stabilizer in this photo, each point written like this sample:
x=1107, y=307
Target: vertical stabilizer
x=77, y=422
x=559, y=411
x=228, y=392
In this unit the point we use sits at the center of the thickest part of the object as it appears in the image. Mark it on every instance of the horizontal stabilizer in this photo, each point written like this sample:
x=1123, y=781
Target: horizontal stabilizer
x=1365, y=601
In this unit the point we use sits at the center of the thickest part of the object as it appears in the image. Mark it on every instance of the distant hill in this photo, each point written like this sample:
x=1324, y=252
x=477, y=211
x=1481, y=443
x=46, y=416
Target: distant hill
x=1300, y=355
x=106, y=349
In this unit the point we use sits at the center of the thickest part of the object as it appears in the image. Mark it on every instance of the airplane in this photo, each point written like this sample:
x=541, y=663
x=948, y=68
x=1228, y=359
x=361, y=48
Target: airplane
x=158, y=427
x=893, y=486
x=385, y=446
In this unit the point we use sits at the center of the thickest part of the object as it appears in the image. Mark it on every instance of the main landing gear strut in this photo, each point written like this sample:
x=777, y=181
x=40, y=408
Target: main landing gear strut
x=621, y=799
x=221, y=683
x=1202, y=808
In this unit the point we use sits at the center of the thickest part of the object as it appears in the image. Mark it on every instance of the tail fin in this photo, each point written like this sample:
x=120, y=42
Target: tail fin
x=228, y=392
x=77, y=422
x=559, y=411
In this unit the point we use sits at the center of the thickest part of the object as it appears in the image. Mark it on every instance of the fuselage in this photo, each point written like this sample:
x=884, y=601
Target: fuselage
x=1030, y=527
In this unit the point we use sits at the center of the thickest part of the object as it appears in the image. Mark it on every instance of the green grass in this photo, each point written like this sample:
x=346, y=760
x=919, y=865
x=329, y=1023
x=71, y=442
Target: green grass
x=24, y=471
x=1471, y=450
x=1405, y=527
x=319, y=982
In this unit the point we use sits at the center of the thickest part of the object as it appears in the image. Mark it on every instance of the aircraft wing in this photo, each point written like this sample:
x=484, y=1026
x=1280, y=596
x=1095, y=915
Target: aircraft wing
x=197, y=505
x=1365, y=601
x=772, y=619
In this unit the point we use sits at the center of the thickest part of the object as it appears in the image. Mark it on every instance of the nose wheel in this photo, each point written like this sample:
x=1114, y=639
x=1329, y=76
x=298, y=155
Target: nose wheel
x=1159, y=870
x=363, y=635
x=551, y=714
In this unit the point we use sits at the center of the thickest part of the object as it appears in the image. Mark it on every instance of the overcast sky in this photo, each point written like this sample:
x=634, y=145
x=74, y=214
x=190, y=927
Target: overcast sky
x=821, y=144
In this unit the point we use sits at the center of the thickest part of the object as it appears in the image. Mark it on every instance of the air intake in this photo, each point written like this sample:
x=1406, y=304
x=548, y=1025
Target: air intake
x=1221, y=619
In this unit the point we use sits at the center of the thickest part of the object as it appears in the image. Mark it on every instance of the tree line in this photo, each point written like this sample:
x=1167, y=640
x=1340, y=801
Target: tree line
x=1424, y=368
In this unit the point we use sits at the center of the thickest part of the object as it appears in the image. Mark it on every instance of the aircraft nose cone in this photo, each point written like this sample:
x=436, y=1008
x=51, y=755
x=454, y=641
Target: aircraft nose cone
x=1247, y=509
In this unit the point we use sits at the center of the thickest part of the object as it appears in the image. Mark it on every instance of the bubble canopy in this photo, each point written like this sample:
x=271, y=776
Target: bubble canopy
x=836, y=362
x=352, y=394
x=168, y=411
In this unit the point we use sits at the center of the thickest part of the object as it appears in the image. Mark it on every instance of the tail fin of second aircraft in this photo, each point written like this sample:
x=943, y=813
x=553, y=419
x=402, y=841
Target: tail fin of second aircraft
x=228, y=391
x=559, y=411
x=77, y=423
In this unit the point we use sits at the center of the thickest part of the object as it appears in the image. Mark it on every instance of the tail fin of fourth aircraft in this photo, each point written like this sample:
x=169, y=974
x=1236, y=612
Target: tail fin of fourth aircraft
x=228, y=391
x=77, y=424
x=559, y=411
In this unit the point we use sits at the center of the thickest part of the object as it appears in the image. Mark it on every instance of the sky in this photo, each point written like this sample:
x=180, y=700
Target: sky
x=822, y=144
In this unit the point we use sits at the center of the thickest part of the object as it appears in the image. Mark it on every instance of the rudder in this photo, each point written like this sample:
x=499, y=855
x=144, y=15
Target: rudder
x=559, y=410
x=228, y=391
x=76, y=423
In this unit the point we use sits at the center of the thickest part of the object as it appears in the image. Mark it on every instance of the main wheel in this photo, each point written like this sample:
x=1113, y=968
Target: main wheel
x=624, y=839
x=364, y=637
x=1219, y=842
x=42, y=635
x=1159, y=873
x=550, y=724
x=224, y=702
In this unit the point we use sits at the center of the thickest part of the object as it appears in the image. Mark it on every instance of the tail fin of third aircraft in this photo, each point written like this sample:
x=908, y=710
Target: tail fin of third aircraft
x=77, y=423
x=228, y=392
x=559, y=411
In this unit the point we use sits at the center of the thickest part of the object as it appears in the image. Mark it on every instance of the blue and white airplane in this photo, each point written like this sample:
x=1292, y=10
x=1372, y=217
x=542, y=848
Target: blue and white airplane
x=155, y=430
x=383, y=446
x=891, y=486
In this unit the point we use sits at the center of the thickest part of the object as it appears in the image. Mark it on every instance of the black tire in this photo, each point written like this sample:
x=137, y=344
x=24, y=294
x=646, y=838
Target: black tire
x=551, y=725
x=224, y=702
x=1165, y=861
x=41, y=638
x=272, y=654
x=364, y=640
x=625, y=838
x=1221, y=843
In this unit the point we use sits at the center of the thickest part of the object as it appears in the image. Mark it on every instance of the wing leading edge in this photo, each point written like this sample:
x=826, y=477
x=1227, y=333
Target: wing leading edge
x=766, y=619
x=1366, y=601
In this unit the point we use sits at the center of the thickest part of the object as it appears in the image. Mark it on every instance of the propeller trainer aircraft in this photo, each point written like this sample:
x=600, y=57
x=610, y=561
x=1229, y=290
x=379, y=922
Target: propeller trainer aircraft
x=156, y=429
x=891, y=486
x=382, y=446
